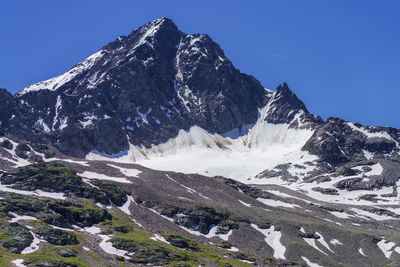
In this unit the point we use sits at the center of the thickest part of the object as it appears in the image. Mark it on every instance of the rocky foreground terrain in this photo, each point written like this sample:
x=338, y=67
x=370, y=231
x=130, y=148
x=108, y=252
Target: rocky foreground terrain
x=157, y=151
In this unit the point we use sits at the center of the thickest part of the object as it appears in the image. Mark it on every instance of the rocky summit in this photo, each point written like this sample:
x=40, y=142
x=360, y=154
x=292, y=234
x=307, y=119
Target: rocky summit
x=157, y=151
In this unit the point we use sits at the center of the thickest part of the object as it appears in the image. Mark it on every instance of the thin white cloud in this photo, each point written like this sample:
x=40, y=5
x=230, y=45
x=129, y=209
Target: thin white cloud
x=277, y=55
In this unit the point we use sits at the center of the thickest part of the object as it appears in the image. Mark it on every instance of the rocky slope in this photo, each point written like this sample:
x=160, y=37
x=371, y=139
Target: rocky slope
x=132, y=215
x=156, y=150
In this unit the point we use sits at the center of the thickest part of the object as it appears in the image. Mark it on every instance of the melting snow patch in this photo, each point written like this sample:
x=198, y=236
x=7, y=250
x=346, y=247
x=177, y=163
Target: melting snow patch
x=23, y=217
x=338, y=223
x=213, y=232
x=83, y=163
x=185, y=198
x=41, y=193
x=92, y=230
x=386, y=247
x=107, y=247
x=143, y=116
x=323, y=242
x=165, y=217
x=42, y=124
x=225, y=236
x=126, y=171
x=272, y=238
x=395, y=210
x=125, y=207
x=279, y=193
x=277, y=203
x=38, y=193
x=244, y=203
x=311, y=242
x=376, y=169
x=19, y=263
x=369, y=134
x=336, y=242
x=157, y=237
x=368, y=155
x=61, y=228
x=93, y=175
x=372, y=215
x=309, y=263
x=34, y=246
x=342, y=215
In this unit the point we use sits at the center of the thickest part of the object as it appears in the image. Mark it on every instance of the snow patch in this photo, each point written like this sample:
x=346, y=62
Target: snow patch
x=322, y=241
x=368, y=155
x=126, y=171
x=277, y=203
x=309, y=263
x=342, y=215
x=108, y=248
x=143, y=116
x=38, y=193
x=127, y=204
x=42, y=125
x=311, y=242
x=362, y=213
x=19, y=262
x=34, y=246
x=244, y=203
x=336, y=242
x=157, y=237
x=364, y=131
x=272, y=238
x=361, y=252
x=92, y=230
x=55, y=83
x=19, y=217
x=386, y=247
x=99, y=176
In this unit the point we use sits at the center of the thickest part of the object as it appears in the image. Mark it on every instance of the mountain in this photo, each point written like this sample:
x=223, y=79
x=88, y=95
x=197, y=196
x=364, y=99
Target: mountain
x=156, y=151
x=142, y=88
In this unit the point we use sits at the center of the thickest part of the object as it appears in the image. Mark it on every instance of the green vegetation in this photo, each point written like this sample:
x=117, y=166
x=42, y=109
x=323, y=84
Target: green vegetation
x=15, y=237
x=85, y=214
x=116, y=195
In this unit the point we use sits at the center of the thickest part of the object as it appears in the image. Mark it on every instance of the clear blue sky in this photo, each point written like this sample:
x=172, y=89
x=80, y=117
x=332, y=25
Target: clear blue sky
x=341, y=57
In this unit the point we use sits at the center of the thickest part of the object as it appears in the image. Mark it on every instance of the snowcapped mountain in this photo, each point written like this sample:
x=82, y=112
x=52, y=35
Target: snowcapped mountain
x=172, y=101
x=159, y=125
x=145, y=86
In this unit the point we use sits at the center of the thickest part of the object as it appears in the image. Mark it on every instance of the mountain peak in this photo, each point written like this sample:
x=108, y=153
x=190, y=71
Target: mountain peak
x=283, y=93
x=152, y=27
x=285, y=107
x=147, y=86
